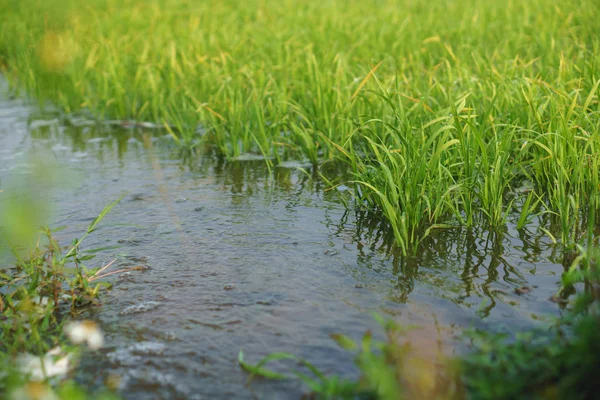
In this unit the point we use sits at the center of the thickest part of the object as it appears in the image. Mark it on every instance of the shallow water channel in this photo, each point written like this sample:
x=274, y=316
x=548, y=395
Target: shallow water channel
x=240, y=260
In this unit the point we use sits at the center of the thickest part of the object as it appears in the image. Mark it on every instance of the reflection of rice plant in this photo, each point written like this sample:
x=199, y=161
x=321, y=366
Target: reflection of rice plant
x=544, y=364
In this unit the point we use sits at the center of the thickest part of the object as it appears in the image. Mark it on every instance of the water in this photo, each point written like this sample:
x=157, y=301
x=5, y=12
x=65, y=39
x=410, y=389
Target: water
x=236, y=260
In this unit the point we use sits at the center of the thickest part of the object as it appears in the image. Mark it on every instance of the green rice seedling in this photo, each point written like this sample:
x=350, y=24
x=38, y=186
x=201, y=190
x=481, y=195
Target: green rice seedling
x=565, y=157
x=402, y=171
x=527, y=210
x=514, y=85
x=495, y=160
x=409, y=189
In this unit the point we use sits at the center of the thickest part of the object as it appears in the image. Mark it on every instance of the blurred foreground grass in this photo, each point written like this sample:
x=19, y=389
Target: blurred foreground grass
x=40, y=296
x=556, y=363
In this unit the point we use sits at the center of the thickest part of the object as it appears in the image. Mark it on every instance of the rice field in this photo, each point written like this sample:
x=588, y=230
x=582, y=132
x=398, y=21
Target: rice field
x=437, y=115
x=446, y=113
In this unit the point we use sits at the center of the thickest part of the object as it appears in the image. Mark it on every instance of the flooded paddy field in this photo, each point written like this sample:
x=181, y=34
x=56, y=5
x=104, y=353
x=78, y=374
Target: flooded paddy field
x=234, y=258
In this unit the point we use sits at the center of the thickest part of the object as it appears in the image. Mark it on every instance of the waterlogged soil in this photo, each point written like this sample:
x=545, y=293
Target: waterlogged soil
x=234, y=258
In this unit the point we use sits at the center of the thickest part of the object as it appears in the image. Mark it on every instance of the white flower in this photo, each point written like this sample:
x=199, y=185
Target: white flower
x=47, y=366
x=42, y=301
x=33, y=391
x=85, y=331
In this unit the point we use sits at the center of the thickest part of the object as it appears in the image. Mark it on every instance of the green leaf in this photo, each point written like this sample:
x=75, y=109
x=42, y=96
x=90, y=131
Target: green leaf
x=258, y=369
x=344, y=341
x=98, y=249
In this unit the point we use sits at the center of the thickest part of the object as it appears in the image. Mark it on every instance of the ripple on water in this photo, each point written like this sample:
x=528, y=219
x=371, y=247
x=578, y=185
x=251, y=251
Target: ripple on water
x=123, y=357
x=141, y=308
x=147, y=348
x=249, y=157
x=292, y=164
x=145, y=367
x=132, y=355
x=36, y=124
x=166, y=385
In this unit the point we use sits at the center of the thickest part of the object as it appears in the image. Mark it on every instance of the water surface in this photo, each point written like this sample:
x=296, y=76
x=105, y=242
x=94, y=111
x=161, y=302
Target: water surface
x=237, y=259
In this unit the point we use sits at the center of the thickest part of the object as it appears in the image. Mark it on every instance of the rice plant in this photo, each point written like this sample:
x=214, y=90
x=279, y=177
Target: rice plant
x=440, y=109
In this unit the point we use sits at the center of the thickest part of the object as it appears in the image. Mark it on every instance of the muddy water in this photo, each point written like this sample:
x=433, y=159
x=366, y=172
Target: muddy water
x=236, y=259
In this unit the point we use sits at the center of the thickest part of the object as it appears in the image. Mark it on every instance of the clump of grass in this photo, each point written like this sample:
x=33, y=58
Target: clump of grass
x=458, y=169
x=44, y=286
x=37, y=298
